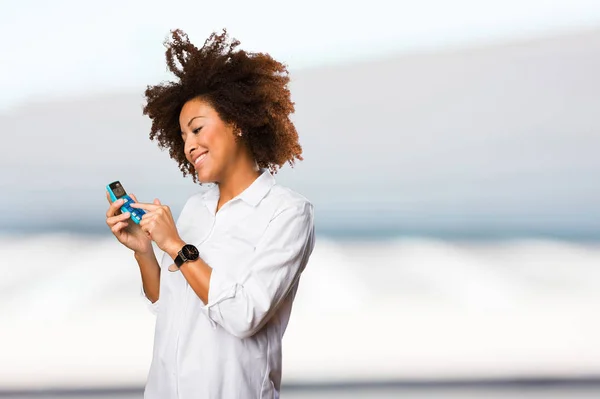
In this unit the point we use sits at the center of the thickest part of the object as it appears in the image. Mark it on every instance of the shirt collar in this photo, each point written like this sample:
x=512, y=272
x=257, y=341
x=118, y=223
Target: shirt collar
x=253, y=194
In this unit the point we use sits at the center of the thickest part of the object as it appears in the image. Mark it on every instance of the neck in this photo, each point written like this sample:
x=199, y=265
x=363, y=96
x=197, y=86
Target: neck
x=237, y=182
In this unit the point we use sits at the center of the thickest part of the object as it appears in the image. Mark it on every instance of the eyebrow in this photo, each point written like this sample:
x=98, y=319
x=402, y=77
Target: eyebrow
x=190, y=122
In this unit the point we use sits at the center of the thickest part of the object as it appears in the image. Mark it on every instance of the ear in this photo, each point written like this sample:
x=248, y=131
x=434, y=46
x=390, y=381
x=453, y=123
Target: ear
x=236, y=130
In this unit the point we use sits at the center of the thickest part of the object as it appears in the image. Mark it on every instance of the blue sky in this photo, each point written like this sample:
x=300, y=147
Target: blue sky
x=64, y=48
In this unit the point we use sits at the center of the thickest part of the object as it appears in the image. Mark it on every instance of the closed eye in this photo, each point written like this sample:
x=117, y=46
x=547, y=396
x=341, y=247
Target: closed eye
x=197, y=130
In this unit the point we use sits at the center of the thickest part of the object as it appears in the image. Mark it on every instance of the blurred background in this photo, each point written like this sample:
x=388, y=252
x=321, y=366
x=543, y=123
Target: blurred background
x=451, y=153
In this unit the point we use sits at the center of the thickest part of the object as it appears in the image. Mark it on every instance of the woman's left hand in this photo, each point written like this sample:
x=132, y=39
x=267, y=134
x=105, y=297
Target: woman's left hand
x=159, y=226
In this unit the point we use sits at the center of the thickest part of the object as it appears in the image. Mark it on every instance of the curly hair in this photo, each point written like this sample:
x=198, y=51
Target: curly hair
x=248, y=90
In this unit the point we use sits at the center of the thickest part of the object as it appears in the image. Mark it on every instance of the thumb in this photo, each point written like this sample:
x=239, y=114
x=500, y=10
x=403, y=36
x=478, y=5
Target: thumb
x=156, y=201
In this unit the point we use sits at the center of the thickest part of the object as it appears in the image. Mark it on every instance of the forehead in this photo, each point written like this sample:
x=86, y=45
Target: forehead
x=194, y=108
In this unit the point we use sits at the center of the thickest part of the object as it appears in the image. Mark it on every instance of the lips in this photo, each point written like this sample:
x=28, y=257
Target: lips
x=200, y=158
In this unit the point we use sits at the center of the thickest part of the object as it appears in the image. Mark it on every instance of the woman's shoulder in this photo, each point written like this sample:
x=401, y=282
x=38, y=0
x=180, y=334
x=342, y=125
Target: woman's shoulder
x=282, y=198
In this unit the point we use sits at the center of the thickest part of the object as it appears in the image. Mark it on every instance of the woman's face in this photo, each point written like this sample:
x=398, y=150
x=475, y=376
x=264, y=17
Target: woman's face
x=210, y=144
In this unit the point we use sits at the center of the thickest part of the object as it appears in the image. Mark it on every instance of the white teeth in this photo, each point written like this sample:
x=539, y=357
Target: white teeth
x=200, y=158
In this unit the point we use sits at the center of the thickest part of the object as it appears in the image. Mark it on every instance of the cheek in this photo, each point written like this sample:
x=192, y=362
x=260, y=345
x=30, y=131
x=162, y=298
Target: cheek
x=220, y=145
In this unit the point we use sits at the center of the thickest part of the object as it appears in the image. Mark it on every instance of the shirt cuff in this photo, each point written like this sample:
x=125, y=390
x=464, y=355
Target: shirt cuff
x=153, y=307
x=220, y=289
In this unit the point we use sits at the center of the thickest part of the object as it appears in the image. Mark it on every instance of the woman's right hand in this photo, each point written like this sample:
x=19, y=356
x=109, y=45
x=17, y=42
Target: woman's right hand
x=127, y=231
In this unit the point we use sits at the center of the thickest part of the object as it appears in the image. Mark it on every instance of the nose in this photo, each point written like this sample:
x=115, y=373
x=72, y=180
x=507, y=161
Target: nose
x=190, y=146
x=190, y=143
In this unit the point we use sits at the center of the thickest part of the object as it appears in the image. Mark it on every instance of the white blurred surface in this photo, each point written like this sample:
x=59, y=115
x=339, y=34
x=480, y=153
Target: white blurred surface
x=71, y=314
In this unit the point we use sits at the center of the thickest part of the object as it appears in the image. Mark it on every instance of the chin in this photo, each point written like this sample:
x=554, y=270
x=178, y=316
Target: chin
x=204, y=178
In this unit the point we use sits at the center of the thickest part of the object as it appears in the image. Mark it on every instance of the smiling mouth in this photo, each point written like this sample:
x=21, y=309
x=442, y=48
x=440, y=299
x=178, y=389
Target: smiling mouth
x=200, y=158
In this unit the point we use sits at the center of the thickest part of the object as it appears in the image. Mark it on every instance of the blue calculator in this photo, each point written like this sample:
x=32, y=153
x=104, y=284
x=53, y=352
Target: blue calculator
x=116, y=191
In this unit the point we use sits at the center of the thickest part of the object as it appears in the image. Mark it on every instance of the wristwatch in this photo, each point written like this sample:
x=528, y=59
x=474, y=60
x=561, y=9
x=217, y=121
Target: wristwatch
x=187, y=253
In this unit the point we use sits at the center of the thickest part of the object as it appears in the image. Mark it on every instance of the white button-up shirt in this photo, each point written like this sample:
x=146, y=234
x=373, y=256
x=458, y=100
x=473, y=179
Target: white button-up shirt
x=257, y=245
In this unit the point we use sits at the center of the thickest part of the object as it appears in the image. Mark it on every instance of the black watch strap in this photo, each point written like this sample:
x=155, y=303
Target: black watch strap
x=187, y=253
x=179, y=259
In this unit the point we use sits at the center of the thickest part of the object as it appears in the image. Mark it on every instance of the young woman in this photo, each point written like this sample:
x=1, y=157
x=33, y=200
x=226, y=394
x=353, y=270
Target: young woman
x=224, y=286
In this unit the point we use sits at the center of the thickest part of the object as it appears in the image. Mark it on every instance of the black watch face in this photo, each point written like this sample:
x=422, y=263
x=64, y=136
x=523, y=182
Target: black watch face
x=190, y=252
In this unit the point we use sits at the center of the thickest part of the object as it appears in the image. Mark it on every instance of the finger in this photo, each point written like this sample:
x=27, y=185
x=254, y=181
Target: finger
x=116, y=229
x=118, y=218
x=146, y=207
x=156, y=201
x=134, y=197
x=114, y=207
x=147, y=217
x=146, y=229
x=110, y=201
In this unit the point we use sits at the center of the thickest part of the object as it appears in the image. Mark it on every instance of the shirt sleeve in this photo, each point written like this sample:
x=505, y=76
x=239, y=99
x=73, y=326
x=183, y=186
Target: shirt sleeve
x=242, y=306
x=152, y=306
